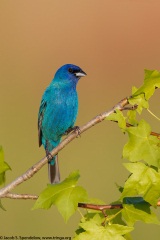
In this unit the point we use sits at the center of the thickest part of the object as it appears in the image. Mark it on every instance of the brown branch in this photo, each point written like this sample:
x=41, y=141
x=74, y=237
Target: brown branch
x=99, y=207
x=103, y=207
x=20, y=196
x=36, y=167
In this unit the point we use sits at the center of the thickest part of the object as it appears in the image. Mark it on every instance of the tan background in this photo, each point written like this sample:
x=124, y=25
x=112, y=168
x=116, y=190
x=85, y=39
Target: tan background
x=113, y=41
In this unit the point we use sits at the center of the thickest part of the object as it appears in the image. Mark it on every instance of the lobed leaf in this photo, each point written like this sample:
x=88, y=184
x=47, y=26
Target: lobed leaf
x=144, y=181
x=118, y=116
x=65, y=196
x=141, y=145
x=151, y=81
x=93, y=229
x=138, y=100
x=138, y=212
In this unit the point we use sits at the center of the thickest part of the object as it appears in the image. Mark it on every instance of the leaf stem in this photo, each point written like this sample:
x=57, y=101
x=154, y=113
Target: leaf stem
x=109, y=218
x=153, y=114
x=80, y=213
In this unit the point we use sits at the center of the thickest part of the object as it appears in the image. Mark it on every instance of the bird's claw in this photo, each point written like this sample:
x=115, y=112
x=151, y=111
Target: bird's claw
x=75, y=129
x=49, y=157
x=68, y=131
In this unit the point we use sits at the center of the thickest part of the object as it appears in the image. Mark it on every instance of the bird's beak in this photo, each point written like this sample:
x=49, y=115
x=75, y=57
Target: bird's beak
x=80, y=74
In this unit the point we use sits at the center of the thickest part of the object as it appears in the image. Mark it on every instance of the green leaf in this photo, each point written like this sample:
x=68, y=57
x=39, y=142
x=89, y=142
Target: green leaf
x=128, y=236
x=114, y=216
x=141, y=145
x=3, y=167
x=138, y=212
x=134, y=200
x=138, y=100
x=118, y=116
x=1, y=206
x=120, y=188
x=93, y=217
x=151, y=81
x=131, y=117
x=64, y=195
x=144, y=181
x=91, y=213
x=93, y=229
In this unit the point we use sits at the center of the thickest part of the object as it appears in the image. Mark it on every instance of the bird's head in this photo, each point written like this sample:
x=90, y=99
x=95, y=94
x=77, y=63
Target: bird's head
x=69, y=73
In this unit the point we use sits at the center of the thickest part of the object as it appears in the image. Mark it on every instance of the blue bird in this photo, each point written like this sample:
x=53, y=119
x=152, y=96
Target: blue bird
x=58, y=112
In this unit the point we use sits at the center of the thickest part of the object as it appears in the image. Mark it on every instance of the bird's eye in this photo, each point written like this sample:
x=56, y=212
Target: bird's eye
x=70, y=70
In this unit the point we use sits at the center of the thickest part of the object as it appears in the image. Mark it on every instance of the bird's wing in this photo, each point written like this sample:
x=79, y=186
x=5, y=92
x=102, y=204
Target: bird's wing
x=40, y=119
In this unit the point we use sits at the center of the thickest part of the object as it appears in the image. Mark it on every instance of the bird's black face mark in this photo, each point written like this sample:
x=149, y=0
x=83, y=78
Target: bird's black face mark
x=76, y=72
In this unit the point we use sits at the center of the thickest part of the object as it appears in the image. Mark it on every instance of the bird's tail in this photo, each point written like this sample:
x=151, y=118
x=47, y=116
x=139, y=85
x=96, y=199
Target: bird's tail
x=53, y=171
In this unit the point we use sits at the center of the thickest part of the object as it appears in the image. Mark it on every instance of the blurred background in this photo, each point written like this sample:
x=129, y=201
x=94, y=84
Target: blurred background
x=113, y=42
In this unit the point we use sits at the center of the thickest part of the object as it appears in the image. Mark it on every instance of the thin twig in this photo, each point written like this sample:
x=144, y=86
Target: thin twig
x=20, y=196
x=104, y=207
x=99, y=207
x=36, y=167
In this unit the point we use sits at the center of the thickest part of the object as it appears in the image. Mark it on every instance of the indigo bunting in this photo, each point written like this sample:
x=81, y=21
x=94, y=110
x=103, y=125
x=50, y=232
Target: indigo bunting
x=58, y=112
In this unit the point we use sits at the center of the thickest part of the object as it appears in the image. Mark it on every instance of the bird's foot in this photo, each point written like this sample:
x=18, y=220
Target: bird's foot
x=75, y=129
x=68, y=131
x=49, y=157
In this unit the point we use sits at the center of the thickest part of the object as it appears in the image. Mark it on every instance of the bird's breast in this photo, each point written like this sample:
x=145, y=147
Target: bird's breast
x=60, y=114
